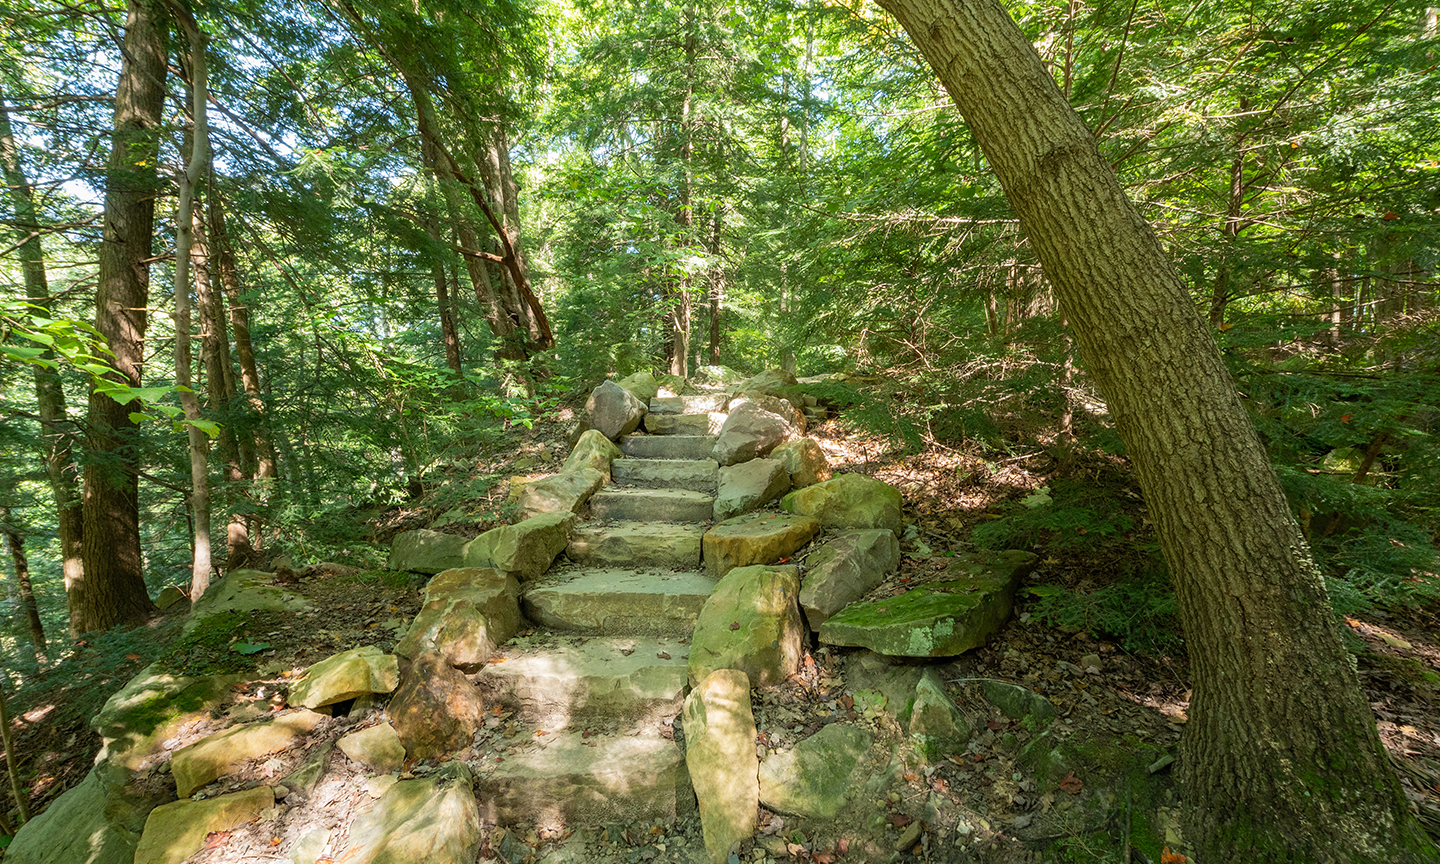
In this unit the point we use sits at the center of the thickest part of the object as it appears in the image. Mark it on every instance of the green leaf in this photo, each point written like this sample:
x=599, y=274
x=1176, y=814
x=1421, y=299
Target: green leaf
x=249, y=647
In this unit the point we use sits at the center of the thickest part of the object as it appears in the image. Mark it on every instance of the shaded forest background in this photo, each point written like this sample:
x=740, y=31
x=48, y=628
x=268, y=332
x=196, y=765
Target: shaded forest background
x=428, y=225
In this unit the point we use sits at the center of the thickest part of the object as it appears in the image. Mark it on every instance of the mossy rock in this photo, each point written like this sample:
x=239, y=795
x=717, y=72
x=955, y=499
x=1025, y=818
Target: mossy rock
x=941, y=619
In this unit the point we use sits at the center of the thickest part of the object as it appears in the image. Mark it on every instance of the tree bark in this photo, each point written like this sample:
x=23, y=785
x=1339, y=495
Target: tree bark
x=57, y=441
x=189, y=177
x=220, y=394
x=112, y=589
x=257, y=452
x=16, y=541
x=1280, y=759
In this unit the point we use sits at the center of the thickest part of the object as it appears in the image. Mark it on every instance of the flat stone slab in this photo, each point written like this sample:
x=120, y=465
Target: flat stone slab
x=619, y=602
x=678, y=424
x=652, y=505
x=637, y=544
x=569, y=779
x=621, y=679
x=246, y=591
x=756, y=538
x=222, y=753
x=698, y=475
x=667, y=446
x=426, y=551
x=176, y=831
x=940, y=619
x=812, y=779
x=694, y=403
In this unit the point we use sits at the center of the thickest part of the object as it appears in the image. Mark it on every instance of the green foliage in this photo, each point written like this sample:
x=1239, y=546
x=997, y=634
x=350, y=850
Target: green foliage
x=217, y=646
x=1138, y=609
x=1062, y=524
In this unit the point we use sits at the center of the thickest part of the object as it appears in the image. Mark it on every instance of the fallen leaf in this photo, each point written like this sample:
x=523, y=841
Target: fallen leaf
x=1071, y=784
x=1168, y=857
x=993, y=725
x=586, y=734
x=216, y=839
x=274, y=841
x=663, y=655
x=843, y=847
x=899, y=820
x=913, y=778
x=132, y=656
x=539, y=732
x=847, y=701
x=822, y=858
x=734, y=625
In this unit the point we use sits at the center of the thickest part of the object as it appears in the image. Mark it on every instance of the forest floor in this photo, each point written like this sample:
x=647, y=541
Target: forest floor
x=948, y=492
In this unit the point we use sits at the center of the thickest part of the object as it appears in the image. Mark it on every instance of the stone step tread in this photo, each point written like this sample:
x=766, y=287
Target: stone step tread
x=565, y=680
x=618, y=601
x=683, y=424
x=569, y=778
x=695, y=403
x=642, y=504
x=637, y=544
x=668, y=446
x=698, y=475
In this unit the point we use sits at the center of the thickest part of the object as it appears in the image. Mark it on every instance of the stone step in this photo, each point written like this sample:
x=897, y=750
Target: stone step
x=667, y=446
x=652, y=505
x=568, y=682
x=695, y=403
x=618, y=602
x=637, y=544
x=698, y=475
x=567, y=779
x=682, y=424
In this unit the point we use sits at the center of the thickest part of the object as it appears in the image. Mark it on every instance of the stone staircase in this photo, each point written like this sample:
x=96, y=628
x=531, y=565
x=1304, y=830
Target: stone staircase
x=603, y=676
x=574, y=717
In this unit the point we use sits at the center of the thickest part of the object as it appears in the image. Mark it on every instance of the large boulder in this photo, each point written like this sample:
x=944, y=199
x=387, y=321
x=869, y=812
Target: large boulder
x=376, y=747
x=812, y=779
x=720, y=753
x=565, y=492
x=716, y=374
x=804, y=460
x=749, y=486
x=771, y=382
x=750, y=432
x=97, y=821
x=641, y=385
x=344, y=676
x=593, y=450
x=848, y=501
x=845, y=569
x=756, y=538
x=426, y=551
x=177, y=830
x=245, y=591
x=151, y=708
x=614, y=411
x=223, y=753
x=436, y=710
x=939, y=619
x=433, y=820
x=934, y=720
x=752, y=623
x=467, y=613
x=525, y=549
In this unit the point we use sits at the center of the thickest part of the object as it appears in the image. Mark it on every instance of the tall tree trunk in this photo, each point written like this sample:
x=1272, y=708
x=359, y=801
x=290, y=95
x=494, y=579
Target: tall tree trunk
x=188, y=179
x=257, y=453
x=1223, y=291
x=717, y=282
x=220, y=393
x=56, y=440
x=1280, y=759
x=112, y=589
x=31, y=611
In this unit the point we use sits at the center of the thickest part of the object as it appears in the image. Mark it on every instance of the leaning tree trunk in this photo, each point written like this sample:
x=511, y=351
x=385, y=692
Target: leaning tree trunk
x=16, y=541
x=57, y=441
x=199, y=444
x=112, y=590
x=1281, y=760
